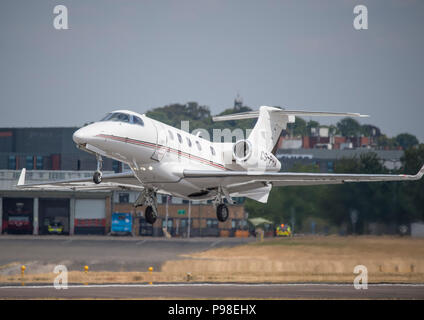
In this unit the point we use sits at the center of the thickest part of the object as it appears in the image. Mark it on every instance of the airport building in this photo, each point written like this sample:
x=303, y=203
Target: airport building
x=46, y=149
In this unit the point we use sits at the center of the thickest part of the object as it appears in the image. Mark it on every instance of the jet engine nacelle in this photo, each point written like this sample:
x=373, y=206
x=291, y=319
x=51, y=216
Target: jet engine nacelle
x=254, y=157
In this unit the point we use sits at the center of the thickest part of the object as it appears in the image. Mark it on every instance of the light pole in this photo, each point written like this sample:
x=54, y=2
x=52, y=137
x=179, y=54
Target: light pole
x=189, y=218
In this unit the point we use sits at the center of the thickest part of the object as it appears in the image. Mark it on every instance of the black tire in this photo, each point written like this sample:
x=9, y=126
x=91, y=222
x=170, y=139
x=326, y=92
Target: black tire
x=222, y=212
x=97, y=177
x=150, y=215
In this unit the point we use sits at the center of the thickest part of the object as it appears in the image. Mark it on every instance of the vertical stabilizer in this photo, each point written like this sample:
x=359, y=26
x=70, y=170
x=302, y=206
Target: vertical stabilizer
x=268, y=127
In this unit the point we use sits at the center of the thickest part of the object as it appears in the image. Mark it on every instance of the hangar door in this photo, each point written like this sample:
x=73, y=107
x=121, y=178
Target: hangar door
x=90, y=216
x=17, y=215
x=54, y=216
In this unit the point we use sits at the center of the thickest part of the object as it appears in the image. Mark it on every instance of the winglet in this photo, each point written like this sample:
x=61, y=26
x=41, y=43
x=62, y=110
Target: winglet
x=21, y=180
x=420, y=173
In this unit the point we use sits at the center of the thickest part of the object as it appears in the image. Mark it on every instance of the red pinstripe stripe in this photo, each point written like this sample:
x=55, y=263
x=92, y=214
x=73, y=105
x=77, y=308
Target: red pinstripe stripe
x=154, y=146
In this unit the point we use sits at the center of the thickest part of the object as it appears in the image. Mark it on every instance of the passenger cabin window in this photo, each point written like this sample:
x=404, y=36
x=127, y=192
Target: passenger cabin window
x=198, y=146
x=171, y=135
x=189, y=142
x=212, y=151
x=179, y=138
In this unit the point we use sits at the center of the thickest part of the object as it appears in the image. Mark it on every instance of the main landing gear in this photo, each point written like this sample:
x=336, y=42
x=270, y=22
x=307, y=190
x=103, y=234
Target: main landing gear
x=222, y=212
x=97, y=176
x=148, y=197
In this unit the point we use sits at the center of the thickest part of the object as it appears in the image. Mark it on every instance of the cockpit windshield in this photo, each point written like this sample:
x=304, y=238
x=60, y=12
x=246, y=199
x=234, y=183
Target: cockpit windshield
x=123, y=117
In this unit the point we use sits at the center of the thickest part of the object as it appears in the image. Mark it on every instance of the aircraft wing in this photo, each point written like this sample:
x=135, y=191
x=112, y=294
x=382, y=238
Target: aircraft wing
x=117, y=181
x=233, y=178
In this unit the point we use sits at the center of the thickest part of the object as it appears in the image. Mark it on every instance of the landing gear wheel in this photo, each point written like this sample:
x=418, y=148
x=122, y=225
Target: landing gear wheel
x=222, y=212
x=150, y=215
x=97, y=177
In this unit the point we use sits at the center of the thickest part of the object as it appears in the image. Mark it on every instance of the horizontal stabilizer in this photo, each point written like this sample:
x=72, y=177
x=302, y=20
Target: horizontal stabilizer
x=255, y=114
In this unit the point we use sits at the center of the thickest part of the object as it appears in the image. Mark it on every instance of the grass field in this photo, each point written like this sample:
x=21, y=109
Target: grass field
x=299, y=259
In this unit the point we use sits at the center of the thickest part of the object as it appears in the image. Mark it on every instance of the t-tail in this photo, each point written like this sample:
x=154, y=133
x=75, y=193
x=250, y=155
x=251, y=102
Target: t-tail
x=272, y=121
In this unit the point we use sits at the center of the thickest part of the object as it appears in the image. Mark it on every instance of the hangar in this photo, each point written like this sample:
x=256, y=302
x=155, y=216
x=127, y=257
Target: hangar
x=46, y=212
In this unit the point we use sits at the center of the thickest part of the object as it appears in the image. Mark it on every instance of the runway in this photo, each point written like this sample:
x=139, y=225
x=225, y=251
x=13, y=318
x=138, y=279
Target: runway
x=41, y=253
x=216, y=291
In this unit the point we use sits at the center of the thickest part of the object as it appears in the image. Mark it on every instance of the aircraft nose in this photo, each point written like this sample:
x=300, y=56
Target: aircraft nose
x=82, y=136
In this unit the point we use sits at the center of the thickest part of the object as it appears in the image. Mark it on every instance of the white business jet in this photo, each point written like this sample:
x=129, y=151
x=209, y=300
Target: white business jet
x=167, y=160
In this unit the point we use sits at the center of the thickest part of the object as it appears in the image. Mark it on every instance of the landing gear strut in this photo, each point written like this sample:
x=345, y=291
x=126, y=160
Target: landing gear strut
x=148, y=197
x=97, y=176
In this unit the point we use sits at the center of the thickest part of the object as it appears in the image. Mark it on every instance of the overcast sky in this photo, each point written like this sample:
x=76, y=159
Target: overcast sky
x=145, y=54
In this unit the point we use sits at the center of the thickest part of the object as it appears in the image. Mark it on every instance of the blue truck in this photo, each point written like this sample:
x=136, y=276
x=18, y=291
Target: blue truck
x=121, y=223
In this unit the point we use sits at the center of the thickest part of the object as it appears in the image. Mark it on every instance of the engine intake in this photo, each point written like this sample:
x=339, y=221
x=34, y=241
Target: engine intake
x=242, y=150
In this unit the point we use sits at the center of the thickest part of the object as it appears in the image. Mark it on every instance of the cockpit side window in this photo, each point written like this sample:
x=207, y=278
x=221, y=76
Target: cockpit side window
x=137, y=120
x=123, y=117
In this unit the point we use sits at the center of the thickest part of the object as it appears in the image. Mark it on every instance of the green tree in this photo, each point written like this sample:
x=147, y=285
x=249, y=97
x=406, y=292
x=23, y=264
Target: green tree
x=406, y=140
x=349, y=127
x=298, y=128
x=385, y=142
x=413, y=191
x=311, y=124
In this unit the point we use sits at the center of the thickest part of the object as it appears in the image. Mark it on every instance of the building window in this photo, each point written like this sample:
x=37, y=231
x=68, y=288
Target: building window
x=179, y=138
x=116, y=166
x=184, y=223
x=12, y=162
x=162, y=199
x=39, y=163
x=124, y=198
x=189, y=142
x=212, y=223
x=170, y=223
x=29, y=163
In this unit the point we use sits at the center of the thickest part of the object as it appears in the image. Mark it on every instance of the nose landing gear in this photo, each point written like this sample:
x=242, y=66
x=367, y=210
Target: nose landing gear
x=97, y=176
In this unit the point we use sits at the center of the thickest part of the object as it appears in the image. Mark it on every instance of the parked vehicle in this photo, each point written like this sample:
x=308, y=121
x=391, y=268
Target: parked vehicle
x=19, y=224
x=55, y=228
x=121, y=223
x=283, y=230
